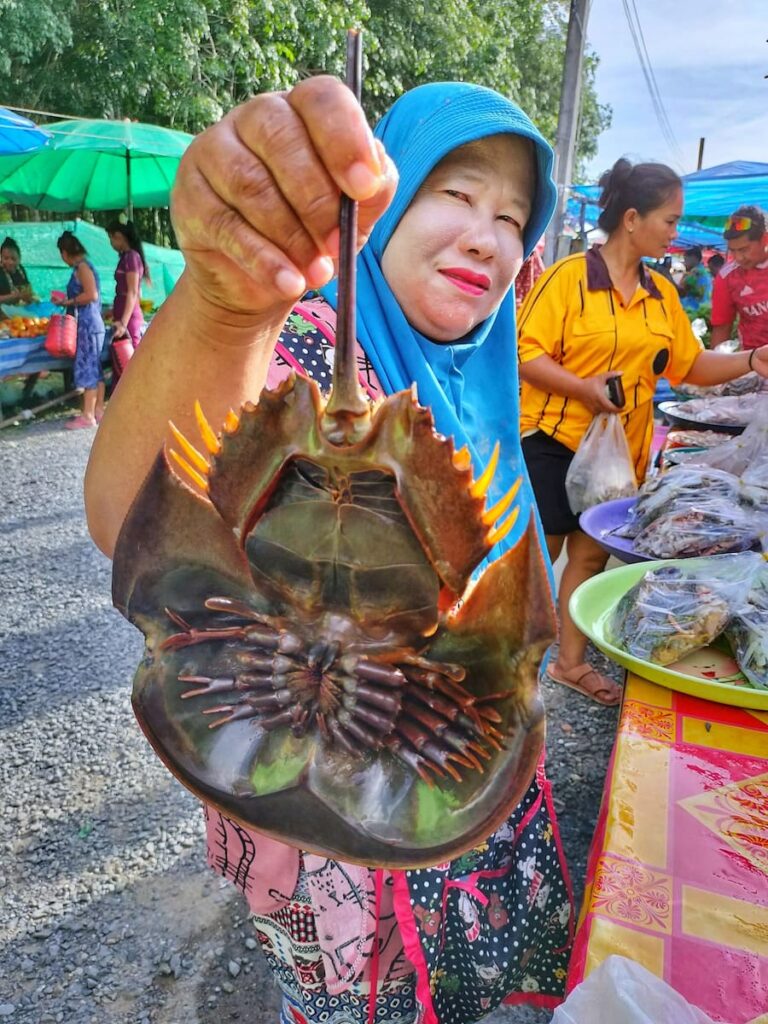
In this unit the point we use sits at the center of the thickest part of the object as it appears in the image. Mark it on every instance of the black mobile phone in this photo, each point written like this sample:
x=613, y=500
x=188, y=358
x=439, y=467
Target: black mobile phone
x=615, y=390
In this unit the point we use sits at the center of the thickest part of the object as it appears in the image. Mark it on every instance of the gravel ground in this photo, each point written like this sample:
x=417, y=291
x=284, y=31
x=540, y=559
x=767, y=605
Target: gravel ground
x=108, y=912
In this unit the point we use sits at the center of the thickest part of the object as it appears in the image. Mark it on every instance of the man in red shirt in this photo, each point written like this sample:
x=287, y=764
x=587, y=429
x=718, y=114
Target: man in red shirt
x=741, y=287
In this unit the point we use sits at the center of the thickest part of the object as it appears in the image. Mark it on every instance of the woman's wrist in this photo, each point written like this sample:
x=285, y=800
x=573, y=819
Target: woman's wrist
x=223, y=326
x=749, y=361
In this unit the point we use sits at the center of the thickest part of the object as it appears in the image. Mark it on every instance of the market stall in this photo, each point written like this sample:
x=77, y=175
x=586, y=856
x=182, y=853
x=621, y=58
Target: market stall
x=47, y=272
x=678, y=869
x=21, y=351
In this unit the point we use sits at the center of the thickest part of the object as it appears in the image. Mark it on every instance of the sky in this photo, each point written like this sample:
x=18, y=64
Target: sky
x=709, y=58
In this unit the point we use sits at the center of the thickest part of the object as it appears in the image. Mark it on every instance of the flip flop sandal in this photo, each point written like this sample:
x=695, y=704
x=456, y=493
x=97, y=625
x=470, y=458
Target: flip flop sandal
x=79, y=423
x=594, y=694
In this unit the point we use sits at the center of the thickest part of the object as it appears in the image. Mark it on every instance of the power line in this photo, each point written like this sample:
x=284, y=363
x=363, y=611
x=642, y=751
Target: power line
x=641, y=49
x=47, y=113
x=653, y=78
x=638, y=39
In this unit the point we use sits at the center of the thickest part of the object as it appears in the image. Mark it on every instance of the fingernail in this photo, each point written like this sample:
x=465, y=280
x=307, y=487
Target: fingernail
x=320, y=271
x=381, y=153
x=290, y=283
x=376, y=147
x=362, y=181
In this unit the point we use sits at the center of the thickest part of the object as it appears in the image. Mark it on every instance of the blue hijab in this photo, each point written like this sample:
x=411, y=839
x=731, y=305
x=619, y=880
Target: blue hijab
x=471, y=386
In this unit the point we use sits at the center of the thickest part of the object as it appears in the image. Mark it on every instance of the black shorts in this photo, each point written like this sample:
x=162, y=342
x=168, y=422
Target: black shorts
x=548, y=461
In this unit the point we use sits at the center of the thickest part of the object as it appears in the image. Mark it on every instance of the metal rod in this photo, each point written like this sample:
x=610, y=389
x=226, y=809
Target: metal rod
x=347, y=397
x=128, y=183
x=38, y=408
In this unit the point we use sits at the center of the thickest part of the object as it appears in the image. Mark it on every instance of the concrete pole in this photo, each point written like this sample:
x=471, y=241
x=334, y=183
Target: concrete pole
x=700, y=159
x=568, y=119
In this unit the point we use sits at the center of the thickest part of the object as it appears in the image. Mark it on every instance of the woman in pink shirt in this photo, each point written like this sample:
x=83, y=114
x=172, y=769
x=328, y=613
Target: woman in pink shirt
x=131, y=270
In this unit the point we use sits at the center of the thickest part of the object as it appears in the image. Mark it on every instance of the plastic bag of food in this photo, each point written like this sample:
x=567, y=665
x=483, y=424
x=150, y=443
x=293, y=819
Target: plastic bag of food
x=745, y=455
x=734, y=411
x=703, y=526
x=682, y=486
x=747, y=632
x=744, y=385
x=601, y=470
x=676, y=609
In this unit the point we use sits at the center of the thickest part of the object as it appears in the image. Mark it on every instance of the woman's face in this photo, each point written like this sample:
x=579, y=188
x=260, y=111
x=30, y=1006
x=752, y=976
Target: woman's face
x=459, y=245
x=653, y=233
x=9, y=259
x=118, y=242
x=69, y=260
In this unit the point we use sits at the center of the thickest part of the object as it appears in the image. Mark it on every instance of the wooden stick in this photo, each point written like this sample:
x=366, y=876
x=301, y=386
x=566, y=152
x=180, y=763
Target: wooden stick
x=347, y=402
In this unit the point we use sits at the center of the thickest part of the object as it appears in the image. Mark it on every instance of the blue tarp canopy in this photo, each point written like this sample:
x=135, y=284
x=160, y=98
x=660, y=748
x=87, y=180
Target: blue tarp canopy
x=734, y=169
x=710, y=195
x=718, y=191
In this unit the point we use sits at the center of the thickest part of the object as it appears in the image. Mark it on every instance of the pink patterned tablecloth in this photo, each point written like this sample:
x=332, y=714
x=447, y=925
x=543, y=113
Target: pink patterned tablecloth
x=678, y=871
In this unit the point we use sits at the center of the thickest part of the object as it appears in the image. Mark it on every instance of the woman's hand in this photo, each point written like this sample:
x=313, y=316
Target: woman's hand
x=593, y=393
x=120, y=330
x=256, y=201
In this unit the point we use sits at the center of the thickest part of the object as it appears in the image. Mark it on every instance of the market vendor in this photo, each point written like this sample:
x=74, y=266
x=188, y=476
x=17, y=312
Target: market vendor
x=14, y=283
x=591, y=317
x=741, y=287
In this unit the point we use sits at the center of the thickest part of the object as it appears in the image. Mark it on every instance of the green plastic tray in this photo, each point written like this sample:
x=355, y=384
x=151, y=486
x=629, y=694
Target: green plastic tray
x=591, y=607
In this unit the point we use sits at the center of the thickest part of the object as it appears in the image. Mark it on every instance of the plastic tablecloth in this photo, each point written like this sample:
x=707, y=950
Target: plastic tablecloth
x=27, y=355
x=678, y=870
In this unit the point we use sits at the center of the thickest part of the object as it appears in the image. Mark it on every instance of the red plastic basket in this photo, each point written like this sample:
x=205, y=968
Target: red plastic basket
x=121, y=351
x=61, y=336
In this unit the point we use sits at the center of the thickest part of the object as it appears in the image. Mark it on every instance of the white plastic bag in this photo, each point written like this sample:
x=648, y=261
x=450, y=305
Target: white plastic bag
x=601, y=469
x=621, y=991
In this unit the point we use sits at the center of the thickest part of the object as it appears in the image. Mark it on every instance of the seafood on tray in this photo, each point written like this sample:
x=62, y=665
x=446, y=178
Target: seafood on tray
x=667, y=615
x=744, y=456
x=747, y=384
x=709, y=526
x=732, y=411
x=676, y=609
x=747, y=632
x=686, y=486
x=679, y=437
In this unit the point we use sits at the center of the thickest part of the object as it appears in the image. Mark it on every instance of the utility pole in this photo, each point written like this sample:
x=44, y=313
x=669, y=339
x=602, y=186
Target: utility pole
x=700, y=160
x=568, y=119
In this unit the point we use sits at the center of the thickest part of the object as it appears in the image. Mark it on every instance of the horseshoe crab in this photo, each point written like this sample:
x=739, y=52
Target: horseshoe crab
x=318, y=664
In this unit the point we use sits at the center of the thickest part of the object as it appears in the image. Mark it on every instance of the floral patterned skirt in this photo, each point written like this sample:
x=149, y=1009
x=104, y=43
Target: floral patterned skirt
x=493, y=926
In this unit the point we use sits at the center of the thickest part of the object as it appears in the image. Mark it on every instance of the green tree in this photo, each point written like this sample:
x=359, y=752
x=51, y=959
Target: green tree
x=185, y=62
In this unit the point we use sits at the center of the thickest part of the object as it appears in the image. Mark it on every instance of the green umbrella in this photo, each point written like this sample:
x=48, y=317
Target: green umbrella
x=96, y=165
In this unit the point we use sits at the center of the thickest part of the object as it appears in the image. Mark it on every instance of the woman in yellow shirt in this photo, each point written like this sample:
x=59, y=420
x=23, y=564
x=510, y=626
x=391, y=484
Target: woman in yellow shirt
x=590, y=317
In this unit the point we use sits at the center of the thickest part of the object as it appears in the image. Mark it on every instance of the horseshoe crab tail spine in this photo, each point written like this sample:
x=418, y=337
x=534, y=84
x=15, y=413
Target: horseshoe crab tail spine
x=347, y=405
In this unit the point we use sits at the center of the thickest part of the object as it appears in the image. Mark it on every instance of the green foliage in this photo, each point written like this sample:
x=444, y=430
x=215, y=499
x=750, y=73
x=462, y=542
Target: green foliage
x=184, y=63
x=702, y=312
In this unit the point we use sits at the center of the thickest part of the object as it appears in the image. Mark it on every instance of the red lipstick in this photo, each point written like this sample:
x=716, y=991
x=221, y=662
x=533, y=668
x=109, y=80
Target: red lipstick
x=467, y=280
